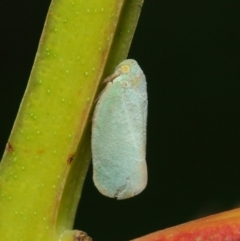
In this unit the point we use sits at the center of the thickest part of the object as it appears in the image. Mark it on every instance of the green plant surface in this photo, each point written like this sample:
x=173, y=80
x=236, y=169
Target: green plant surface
x=48, y=152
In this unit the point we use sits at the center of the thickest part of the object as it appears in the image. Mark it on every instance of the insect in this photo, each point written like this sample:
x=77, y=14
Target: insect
x=119, y=133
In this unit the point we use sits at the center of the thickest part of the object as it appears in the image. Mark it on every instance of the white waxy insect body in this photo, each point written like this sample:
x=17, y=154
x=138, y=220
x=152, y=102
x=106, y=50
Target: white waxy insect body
x=119, y=133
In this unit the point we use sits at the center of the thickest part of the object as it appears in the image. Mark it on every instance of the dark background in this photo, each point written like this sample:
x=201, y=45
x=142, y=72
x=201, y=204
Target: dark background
x=190, y=53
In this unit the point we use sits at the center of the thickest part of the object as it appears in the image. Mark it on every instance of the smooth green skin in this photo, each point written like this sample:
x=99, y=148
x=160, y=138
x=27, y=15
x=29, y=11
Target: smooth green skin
x=40, y=181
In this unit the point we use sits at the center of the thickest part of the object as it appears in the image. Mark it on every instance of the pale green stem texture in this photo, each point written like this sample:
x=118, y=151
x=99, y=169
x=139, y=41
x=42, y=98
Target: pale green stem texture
x=48, y=152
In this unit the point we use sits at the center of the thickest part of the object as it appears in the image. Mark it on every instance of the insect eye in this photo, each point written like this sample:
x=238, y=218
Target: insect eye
x=125, y=68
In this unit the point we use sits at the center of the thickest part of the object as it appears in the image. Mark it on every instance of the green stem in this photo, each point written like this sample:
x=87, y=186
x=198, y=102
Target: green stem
x=48, y=152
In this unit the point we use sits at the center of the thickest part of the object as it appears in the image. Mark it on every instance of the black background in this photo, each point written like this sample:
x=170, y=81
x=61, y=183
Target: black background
x=190, y=53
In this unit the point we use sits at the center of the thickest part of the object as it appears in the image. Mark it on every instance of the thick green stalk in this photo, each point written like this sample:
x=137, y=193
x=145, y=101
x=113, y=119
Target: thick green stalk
x=42, y=170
